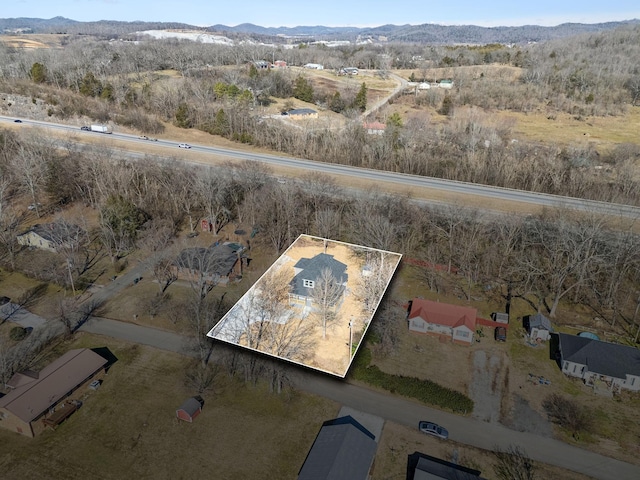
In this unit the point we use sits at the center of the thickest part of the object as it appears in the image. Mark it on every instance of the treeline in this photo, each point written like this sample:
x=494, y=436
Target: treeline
x=217, y=93
x=557, y=258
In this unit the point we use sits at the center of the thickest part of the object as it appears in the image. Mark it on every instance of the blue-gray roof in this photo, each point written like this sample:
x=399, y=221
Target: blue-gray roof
x=301, y=111
x=538, y=321
x=215, y=260
x=600, y=357
x=343, y=450
x=312, y=269
x=425, y=467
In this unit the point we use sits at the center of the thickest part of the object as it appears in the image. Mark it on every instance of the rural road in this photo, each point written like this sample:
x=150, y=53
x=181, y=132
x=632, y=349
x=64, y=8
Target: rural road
x=402, y=411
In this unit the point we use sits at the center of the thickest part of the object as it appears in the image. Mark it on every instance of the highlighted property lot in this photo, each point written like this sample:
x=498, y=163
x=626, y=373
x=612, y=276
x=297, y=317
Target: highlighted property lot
x=313, y=306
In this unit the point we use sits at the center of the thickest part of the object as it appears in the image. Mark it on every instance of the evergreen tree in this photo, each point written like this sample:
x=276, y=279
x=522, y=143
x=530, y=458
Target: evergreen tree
x=38, y=73
x=90, y=86
x=221, y=123
x=336, y=104
x=360, y=102
x=183, y=119
x=302, y=90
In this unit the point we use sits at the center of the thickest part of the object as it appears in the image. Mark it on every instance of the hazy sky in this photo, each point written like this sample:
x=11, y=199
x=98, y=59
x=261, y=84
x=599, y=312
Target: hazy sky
x=330, y=12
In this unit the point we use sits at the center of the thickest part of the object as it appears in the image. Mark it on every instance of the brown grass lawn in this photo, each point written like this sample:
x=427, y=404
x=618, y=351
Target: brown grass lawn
x=128, y=429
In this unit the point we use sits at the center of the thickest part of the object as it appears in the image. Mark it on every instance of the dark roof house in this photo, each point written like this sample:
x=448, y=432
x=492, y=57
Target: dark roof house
x=342, y=450
x=301, y=113
x=593, y=360
x=308, y=270
x=51, y=236
x=425, y=467
x=218, y=263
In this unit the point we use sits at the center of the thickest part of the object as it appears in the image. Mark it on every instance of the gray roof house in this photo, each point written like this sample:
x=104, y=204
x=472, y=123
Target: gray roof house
x=308, y=270
x=425, y=467
x=51, y=236
x=217, y=264
x=593, y=360
x=343, y=450
x=538, y=327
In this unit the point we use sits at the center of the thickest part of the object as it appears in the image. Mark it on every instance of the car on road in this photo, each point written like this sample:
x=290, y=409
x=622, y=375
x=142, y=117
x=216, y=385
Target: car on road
x=184, y=145
x=143, y=137
x=17, y=121
x=85, y=128
x=434, y=429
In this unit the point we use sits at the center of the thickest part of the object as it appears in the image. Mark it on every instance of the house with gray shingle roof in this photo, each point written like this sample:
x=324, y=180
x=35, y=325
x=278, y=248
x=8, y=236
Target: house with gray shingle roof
x=343, y=450
x=52, y=236
x=307, y=271
x=593, y=360
x=538, y=327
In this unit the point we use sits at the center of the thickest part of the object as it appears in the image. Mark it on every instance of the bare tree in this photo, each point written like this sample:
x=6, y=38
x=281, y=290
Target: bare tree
x=513, y=464
x=326, y=293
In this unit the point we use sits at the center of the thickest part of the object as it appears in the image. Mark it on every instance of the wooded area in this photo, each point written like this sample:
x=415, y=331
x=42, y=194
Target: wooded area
x=556, y=258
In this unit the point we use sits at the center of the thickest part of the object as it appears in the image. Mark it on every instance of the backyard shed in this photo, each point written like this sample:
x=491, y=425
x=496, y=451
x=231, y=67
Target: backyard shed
x=190, y=409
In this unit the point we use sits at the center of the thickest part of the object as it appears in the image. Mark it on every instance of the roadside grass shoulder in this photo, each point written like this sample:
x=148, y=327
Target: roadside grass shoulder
x=425, y=391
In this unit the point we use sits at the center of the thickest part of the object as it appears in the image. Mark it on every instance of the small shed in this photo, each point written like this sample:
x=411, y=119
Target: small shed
x=500, y=317
x=538, y=327
x=190, y=409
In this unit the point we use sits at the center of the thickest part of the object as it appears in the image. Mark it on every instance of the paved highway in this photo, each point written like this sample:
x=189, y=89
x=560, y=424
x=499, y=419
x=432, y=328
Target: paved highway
x=375, y=176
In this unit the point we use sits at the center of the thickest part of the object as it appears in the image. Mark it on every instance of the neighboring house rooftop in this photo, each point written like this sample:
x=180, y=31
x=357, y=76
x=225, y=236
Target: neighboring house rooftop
x=538, y=321
x=343, y=450
x=311, y=269
x=58, y=233
x=29, y=399
x=425, y=467
x=215, y=260
x=603, y=358
x=301, y=111
x=443, y=313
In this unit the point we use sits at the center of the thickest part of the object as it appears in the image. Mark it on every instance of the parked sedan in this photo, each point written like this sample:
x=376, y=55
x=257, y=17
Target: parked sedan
x=434, y=429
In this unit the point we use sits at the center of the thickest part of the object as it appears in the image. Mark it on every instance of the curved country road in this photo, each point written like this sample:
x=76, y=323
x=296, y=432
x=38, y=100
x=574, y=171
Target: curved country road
x=405, y=412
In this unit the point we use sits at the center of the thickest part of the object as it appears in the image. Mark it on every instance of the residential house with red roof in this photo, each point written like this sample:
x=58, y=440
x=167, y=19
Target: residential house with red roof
x=442, y=319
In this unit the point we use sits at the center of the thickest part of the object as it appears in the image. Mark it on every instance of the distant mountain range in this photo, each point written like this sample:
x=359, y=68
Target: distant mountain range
x=425, y=33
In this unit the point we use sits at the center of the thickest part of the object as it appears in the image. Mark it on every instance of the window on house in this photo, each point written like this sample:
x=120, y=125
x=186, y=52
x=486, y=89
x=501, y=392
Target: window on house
x=308, y=283
x=574, y=368
x=462, y=333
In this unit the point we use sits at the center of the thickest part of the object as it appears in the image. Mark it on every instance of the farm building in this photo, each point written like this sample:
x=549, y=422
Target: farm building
x=190, y=409
x=442, y=319
x=314, y=66
x=40, y=399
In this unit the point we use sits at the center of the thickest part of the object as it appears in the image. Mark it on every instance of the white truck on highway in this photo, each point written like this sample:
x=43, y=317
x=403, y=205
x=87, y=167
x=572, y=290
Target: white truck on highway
x=101, y=128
